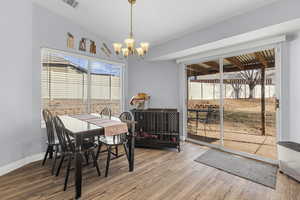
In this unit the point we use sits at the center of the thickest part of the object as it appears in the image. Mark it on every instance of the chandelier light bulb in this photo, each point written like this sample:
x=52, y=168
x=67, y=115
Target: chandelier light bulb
x=140, y=51
x=130, y=43
x=145, y=46
x=125, y=52
x=117, y=48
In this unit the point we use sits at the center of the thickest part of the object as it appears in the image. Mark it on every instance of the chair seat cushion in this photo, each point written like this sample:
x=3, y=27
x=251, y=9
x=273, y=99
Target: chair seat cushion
x=113, y=140
x=56, y=142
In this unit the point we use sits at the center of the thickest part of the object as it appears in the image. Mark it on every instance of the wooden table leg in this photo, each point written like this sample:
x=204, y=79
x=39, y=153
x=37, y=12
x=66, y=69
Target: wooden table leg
x=78, y=167
x=131, y=146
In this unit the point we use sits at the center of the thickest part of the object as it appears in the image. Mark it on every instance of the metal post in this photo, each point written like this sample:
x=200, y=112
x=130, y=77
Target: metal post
x=221, y=63
x=214, y=91
x=263, y=105
x=201, y=91
x=89, y=89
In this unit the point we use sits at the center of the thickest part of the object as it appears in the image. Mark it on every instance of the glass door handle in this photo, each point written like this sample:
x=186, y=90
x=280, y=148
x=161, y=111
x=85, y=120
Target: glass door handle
x=277, y=104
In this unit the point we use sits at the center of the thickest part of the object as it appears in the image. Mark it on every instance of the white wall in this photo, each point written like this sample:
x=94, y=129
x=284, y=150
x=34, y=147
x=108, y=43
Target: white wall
x=293, y=66
x=25, y=29
x=158, y=79
x=278, y=12
x=17, y=138
x=49, y=30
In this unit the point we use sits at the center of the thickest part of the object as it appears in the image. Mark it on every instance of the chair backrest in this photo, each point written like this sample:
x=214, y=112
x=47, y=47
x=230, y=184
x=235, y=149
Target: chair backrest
x=64, y=138
x=48, y=118
x=106, y=112
x=126, y=116
x=213, y=116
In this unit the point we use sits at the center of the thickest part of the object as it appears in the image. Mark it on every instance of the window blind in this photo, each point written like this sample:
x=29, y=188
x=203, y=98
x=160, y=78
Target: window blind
x=105, y=87
x=64, y=85
x=71, y=85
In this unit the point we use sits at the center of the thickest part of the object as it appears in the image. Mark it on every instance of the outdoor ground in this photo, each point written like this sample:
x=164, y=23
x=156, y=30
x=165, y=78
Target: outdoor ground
x=78, y=106
x=242, y=126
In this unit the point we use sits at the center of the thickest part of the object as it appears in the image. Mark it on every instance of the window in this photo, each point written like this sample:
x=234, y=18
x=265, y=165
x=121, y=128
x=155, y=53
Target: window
x=105, y=87
x=75, y=85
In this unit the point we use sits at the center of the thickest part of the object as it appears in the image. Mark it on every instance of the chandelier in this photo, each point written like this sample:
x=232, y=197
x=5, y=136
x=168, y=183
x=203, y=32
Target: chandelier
x=130, y=49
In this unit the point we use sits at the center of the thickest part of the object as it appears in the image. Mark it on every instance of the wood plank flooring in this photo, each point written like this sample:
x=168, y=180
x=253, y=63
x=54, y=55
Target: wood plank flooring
x=159, y=174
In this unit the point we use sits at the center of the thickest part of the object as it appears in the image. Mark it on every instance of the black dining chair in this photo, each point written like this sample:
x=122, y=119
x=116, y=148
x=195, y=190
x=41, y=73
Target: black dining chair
x=105, y=113
x=68, y=149
x=112, y=142
x=52, y=143
x=211, y=117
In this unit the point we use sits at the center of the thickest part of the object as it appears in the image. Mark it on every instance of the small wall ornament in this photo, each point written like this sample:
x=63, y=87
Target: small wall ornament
x=106, y=48
x=82, y=44
x=70, y=41
x=93, y=47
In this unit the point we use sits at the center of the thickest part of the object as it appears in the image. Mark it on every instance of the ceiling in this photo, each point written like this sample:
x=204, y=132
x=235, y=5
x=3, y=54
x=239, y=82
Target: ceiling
x=155, y=21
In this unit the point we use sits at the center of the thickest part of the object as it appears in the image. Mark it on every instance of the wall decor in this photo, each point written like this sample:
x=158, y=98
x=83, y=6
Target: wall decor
x=106, y=48
x=105, y=52
x=93, y=48
x=70, y=40
x=140, y=101
x=82, y=44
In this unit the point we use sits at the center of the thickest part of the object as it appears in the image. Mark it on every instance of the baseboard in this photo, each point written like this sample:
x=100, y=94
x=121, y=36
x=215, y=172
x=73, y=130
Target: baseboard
x=20, y=163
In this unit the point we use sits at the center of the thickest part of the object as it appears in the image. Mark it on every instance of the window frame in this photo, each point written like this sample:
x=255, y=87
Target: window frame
x=90, y=59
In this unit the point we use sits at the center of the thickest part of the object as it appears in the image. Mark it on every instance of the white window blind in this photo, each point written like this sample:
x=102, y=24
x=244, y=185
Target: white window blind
x=105, y=87
x=73, y=85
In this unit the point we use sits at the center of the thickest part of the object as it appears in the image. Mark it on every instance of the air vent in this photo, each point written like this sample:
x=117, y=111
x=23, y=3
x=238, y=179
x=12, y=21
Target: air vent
x=72, y=3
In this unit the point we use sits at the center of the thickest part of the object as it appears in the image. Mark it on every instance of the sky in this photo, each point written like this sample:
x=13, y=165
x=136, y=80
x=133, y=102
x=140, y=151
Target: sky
x=96, y=66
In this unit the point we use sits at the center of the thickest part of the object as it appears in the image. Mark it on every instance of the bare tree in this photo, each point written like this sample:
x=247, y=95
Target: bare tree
x=252, y=78
x=237, y=89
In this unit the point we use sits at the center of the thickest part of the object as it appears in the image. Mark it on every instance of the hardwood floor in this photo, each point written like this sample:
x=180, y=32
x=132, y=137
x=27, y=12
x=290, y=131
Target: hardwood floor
x=159, y=174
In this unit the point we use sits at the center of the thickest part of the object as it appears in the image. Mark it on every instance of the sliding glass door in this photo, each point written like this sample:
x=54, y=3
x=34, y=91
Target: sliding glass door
x=236, y=96
x=204, y=101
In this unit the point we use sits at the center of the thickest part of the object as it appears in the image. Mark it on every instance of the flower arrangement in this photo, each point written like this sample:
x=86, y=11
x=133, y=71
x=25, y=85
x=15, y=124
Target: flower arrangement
x=140, y=100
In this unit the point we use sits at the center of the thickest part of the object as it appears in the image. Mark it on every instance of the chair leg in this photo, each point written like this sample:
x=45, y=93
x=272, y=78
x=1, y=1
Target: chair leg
x=51, y=152
x=68, y=172
x=46, y=155
x=96, y=163
x=117, y=151
x=108, y=160
x=54, y=162
x=98, y=151
x=126, y=152
x=60, y=164
x=86, y=155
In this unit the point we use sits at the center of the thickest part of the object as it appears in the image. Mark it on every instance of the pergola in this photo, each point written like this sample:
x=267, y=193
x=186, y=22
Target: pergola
x=261, y=60
x=257, y=60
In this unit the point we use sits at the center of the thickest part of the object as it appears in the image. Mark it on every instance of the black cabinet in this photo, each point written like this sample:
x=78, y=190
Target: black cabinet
x=157, y=128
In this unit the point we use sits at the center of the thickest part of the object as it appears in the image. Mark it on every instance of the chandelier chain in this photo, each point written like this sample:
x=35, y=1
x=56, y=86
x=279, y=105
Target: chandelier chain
x=131, y=16
x=130, y=49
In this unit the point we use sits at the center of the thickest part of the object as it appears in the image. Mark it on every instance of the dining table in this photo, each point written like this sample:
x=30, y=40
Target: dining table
x=80, y=129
